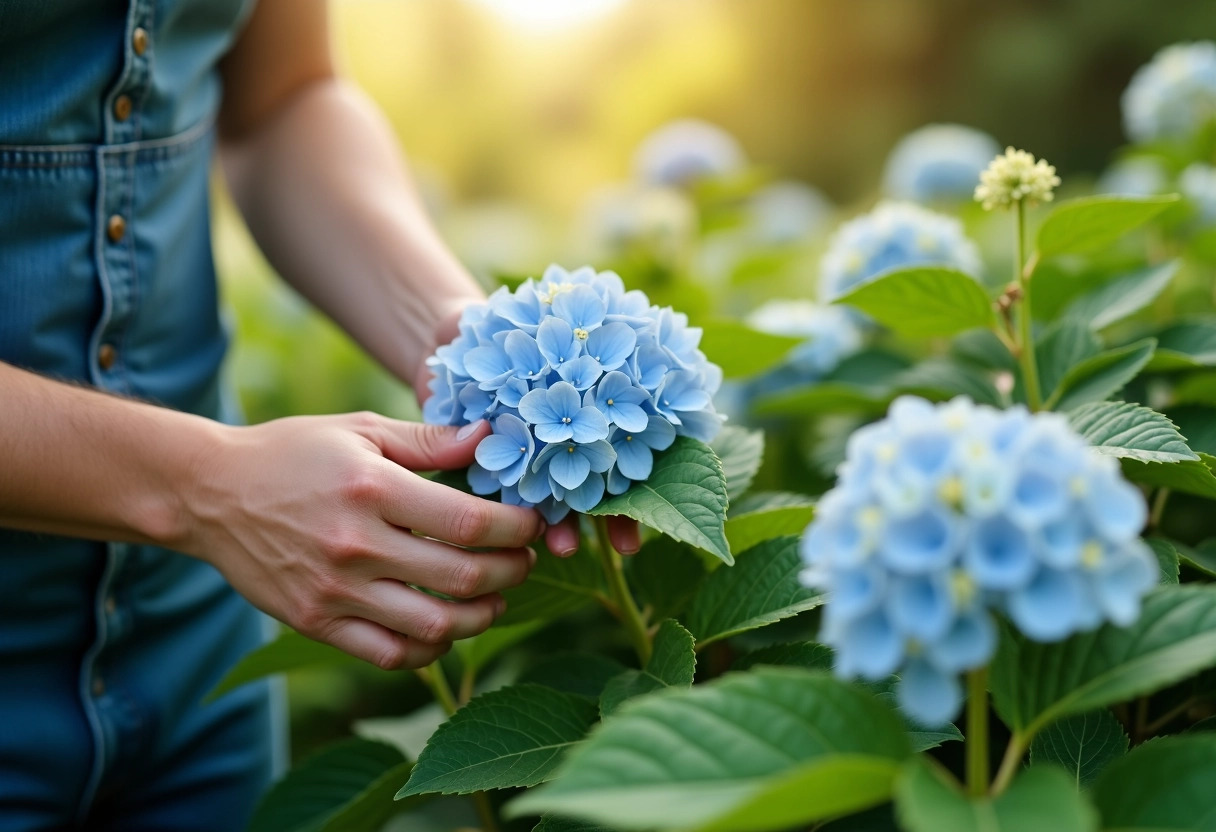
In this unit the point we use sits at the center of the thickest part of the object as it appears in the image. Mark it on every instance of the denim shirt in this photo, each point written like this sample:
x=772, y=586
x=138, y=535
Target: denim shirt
x=106, y=278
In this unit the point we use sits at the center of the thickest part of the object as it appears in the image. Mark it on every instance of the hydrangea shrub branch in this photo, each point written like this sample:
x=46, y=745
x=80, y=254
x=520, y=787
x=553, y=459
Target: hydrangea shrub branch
x=624, y=607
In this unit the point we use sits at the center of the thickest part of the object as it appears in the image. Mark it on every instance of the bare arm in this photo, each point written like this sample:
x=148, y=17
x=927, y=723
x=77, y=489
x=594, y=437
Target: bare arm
x=309, y=517
x=317, y=174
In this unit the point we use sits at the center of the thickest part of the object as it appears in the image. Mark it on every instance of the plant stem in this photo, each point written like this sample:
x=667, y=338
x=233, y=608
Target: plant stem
x=432, y=676
x=626, y=609
x=1009, y=765
x=977, y=732
x=1158, y=511
x=1030, y=368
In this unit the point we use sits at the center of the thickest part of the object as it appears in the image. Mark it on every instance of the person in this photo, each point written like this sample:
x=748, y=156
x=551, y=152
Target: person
x=116, y=427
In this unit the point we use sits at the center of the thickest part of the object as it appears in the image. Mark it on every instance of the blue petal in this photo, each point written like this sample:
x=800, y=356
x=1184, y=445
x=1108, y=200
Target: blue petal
x=512, y=426
x=556, y=341
x=618, y=483
x=497, y=452
x=869, y=647
x=476, y=402
x=1115, y=507
x=554, y=512
x=629, y=417
x=1000, y=554
x=580, y=307
x=923, y=542
x=1045, y=609
x=536, y=408
x=920, y=606
x=659, y=433
x=613, y=386
x=1120, y=585
x=1039, y=495
x=482, y=482
x=486, y=363
x=589, y=425
x=929, y=696
x=526, y=360
x=600, y=455
x=511, y=392
x=569, y=468
x=553, y=431
x=534, y=487
x=564, y=399
x=612, y=344
x=588, y=495
x=968, y=644
x=581, y=373
x=633, y=457
x=856, y=592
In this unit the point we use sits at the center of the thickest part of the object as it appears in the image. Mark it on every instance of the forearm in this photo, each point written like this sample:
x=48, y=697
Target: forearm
x=78, y=462
x=327, y=196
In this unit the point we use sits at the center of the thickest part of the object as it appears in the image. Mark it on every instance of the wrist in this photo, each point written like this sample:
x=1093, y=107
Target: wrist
x=187, y=493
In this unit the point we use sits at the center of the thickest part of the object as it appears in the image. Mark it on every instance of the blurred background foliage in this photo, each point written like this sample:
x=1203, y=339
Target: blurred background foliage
x=521, y=119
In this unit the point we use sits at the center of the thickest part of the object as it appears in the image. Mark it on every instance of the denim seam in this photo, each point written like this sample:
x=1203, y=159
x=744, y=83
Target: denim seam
x=169, y=146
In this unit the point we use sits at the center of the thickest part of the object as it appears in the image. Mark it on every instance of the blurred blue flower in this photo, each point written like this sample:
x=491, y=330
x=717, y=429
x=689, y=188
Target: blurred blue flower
x=894, y=235
x=786, y=212
x=1198, y=184
x=1174, y=95
x=1135, y=176
x=685, y=151
x=561, y=366
x=945, y=514
x=938, y=163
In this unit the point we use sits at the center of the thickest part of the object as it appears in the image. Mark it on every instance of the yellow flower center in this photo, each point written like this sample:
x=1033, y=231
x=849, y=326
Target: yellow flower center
x=1091, y=554
x=581, y=334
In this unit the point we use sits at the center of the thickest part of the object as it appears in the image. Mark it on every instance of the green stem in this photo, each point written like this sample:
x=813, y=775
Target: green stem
x=1010, y=764
x=977, y=732
x=1022, y=275
x=432, y=676
x=1158, y=511
x=623, y=605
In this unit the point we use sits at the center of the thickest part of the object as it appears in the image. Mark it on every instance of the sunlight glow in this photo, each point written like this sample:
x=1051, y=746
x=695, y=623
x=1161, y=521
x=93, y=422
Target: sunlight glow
x=551, y=14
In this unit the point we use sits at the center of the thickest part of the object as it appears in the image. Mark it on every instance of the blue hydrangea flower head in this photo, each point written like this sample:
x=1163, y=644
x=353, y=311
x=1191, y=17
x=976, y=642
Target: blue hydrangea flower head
x=831, y=333
x=1198, y=184
x=1173, y=96
x=1134, y=176
x=894, y=235
x=581, y=380
x=685, y=151
x=946, y=515
x=938, y=163
x=787, y=212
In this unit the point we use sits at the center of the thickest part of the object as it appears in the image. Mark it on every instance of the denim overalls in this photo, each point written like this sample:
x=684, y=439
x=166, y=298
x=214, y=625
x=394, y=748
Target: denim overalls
x=106, y=278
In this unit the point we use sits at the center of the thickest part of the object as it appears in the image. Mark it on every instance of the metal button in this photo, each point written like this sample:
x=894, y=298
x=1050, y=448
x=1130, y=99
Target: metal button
x=139, y=41
x=105, y=360
x=99, y=686
x=116, y=227
x=122, y=107
x=111, y=605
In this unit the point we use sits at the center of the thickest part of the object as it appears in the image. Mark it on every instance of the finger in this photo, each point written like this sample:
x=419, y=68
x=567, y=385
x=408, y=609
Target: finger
x=624, y=533
x=562, y=539
x=381, y=646
x=423, y=617
x=450, y=570
x=420, y=447
x=453, y=516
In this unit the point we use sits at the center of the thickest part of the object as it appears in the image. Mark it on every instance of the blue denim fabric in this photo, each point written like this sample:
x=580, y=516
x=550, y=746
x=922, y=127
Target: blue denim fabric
x=106, y=649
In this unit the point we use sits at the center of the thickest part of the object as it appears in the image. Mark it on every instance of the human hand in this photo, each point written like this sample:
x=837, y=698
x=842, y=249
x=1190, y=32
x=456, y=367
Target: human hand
x=310, y=518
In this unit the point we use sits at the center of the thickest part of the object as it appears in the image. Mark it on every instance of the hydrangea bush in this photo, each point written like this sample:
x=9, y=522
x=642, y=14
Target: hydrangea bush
x=938, y=163
x=975, y=529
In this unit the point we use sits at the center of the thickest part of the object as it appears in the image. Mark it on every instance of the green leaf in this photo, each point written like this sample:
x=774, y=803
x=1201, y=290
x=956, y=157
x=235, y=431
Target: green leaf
x=749, y=752
x=1129, y=431
x=805, y=654
x=1112, y=302
x=1034, y=684
x=1186, y=344
x=762, y=588
x=1165, y=784
x=982, y=348
x=924, y=301
x=1100, y=377
x=1201, y=558
x=1091, y=223
x=555, y=587
x=289, y=651
x=1168, y=558
x=1082, y=744
x=1198, y=424
x=475, y=652
x=673, y=664
x=825, y=397
x=1192, y=477
x=742, y=351
x=939, y=379
x=1062, y=346
x=1043, y=798
x=513, y=736
x=772, y=515
x=684, y=498
x=665, y=575
x=574, y=671
x=552, y=824
x=741, y=451
x=1198, y=388
x=346, y=786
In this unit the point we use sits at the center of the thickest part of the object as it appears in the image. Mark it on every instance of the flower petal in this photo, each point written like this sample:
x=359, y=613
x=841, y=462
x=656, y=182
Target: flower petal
x=569, y=468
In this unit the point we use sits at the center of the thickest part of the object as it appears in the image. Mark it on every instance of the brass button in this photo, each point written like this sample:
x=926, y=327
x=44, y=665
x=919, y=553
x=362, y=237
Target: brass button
x=116, y=227
x=105, y=360
x=139, y=41
x=99, y=686
x=122, y=107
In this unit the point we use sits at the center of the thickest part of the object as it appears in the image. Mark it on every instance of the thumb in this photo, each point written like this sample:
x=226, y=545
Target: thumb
x=420, y=447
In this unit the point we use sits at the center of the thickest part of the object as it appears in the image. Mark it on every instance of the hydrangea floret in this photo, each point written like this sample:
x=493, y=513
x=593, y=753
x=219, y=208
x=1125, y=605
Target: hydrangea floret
x=1174, y=95
x=581, y=380
x=1198, y=184
x=946, y=515
x=687, y=150
x=1015, y=177
x=894, y=235
x=938, y=163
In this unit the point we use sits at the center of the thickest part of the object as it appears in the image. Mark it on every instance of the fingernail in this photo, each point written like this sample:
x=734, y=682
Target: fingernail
x=469, y=429
x=568, y=551
x=531, y=556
